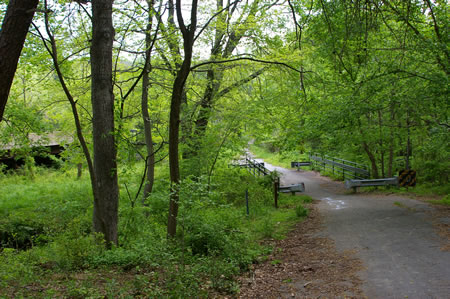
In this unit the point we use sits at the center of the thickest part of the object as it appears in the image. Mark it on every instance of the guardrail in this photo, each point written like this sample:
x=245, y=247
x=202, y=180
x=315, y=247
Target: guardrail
x=300, y=164
x=340, y=166
x=258, y=168
x=369, y=183
x=292, y=188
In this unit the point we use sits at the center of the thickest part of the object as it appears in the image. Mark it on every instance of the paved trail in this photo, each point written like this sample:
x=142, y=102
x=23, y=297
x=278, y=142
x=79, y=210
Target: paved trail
x=392, y=235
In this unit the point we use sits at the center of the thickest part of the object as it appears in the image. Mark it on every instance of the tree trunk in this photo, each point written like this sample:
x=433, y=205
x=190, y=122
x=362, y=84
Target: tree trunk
x=16, y=22
x=200, y=124
x=223, y=50
x=408, y=141
x=175, y=109
x=106, y=190
x=174, y=128
x=391, y=143
x=79, y=170
x=144, y=105
x=380, y=127
x=372, y=159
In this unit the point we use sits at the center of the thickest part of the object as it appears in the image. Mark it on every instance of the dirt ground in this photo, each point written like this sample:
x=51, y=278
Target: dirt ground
x=304, y=265
x=356, y=246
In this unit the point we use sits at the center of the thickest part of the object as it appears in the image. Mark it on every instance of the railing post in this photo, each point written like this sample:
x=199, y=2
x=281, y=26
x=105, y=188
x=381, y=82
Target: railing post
x=246, y=201
x=276, y=184
x=332, y=159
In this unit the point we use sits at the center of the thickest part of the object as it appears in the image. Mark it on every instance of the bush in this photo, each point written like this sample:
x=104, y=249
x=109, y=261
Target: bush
x=73, y=248
x=21, y=233
x=211, y=231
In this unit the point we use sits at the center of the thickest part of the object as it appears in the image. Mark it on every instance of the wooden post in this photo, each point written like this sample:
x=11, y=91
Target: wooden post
x=79, y=170
x=246, y=201
x=276, y=184
x=332, y=159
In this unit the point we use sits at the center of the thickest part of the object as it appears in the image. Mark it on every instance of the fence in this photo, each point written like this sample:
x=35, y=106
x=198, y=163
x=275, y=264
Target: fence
x=254, y=167
x=347, y=169
x=258, y=169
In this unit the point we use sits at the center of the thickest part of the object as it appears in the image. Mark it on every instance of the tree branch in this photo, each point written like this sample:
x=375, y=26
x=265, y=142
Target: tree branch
x=249, y=59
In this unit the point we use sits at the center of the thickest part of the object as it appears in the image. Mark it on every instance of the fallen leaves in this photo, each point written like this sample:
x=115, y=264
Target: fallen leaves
x=304, y=264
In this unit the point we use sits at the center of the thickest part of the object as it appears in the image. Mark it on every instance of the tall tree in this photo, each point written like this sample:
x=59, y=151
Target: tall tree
x=16, y=22
x=106, y=189
x=149, y=42
x=227, y=36
x=188, y=33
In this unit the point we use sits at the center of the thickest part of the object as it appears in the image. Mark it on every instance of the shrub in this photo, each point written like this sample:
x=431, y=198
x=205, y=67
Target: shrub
x=73, y=248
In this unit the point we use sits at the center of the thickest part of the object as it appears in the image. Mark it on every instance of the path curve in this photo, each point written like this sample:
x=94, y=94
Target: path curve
x=392, y=235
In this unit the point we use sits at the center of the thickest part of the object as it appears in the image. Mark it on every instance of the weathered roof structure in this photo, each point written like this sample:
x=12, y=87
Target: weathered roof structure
x=35, y=140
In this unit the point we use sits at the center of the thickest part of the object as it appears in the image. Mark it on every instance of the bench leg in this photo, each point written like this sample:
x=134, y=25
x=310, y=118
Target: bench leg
x=354, y=189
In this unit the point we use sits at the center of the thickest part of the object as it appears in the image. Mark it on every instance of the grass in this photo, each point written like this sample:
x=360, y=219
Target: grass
x=444, y=201
x=51, y=214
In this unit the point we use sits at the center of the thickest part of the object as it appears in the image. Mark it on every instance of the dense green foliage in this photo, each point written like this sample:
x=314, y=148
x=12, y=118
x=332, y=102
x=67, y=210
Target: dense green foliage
x=50, y=217
x=366, y=81
x=375, y=87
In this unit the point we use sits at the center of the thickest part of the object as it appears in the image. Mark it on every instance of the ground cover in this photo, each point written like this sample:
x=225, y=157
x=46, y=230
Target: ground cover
x=48, y=249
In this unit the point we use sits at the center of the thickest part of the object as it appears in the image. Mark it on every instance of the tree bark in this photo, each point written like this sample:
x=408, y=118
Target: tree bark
x=16, y=22
x=380, y=127
x=144, y=106
x=106, y=190
x=391, y=142
x=175, y=109
x=372, y=159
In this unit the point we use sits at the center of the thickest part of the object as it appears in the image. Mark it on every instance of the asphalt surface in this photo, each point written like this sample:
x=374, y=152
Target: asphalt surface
x=392, y=235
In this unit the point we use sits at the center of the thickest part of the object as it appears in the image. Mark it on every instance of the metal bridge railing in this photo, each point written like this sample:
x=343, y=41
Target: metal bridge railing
x=347, y=169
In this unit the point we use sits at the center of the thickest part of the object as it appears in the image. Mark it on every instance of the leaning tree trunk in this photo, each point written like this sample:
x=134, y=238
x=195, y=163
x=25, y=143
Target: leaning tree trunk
x=16, y=22
x=106, y=190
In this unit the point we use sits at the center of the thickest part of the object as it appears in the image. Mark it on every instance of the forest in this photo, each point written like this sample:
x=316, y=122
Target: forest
x=120, y=122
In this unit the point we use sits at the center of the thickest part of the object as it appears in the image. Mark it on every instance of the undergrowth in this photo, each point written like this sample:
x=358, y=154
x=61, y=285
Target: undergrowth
x=48, y=248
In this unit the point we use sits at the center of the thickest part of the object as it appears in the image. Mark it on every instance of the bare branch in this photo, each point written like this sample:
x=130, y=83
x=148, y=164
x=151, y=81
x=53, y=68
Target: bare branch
x=249, y=59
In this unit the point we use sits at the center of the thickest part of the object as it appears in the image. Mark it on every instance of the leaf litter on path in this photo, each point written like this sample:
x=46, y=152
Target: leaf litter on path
x=307, y=265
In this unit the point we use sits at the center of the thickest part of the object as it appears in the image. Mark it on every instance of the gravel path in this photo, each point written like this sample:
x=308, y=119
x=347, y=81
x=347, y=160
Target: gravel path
x=402, y=254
